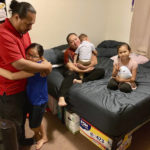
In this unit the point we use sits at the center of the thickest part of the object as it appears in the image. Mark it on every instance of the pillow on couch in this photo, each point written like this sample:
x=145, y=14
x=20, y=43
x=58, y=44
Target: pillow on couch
x=106, y=52
x=109, y=44
x=61, y=47
x=108, y=48
x=55, y=55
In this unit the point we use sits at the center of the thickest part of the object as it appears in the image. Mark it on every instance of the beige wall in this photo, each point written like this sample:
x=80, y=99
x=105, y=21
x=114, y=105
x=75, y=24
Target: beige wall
x=57, y=18
x=119, y=20
x=100, y=19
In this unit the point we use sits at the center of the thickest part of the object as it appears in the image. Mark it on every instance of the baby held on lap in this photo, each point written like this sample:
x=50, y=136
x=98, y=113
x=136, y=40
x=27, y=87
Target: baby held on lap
x=84, y=53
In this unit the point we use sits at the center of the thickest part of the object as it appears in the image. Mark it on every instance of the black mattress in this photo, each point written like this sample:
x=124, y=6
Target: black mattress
x=113, y=112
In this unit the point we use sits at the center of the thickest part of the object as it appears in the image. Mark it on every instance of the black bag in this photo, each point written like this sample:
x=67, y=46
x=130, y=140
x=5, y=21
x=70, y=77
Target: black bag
x=8, y=135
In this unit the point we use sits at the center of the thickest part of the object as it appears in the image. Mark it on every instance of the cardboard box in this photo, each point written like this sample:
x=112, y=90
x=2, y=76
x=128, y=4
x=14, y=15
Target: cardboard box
x=100, y=139
x=72, y=121
x=95, y=136
x=125, y=143
x=70, y=116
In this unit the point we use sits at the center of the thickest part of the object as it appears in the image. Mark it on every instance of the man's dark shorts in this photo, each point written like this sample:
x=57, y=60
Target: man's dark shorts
x=11, y=108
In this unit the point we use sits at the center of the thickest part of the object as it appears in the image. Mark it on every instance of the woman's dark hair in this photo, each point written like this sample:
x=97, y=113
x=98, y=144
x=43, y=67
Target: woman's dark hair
x=21, y=8
x=67, y=38
x=124, y=44
x=38, y=47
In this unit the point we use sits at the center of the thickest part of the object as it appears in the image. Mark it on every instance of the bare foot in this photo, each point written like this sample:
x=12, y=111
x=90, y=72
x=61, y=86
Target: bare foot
x=77, y=81
x=62, y=102
x=37, y=137
x=40, y=143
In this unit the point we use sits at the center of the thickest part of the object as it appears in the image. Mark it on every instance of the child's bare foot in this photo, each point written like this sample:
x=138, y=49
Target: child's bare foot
x=77, y=81
x=37, y=137
x=40, y=143
x=62, y=102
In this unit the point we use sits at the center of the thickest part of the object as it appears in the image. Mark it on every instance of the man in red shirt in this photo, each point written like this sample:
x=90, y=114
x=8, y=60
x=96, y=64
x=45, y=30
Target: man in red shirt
x=14, y=39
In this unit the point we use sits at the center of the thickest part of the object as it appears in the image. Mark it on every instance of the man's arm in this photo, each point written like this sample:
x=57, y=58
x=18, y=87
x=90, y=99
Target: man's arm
x=29, y=66
x=15, y=75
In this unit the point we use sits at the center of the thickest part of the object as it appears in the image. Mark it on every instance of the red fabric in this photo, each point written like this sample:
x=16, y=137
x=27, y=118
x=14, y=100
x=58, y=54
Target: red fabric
x=69, y=55
x=12, y=48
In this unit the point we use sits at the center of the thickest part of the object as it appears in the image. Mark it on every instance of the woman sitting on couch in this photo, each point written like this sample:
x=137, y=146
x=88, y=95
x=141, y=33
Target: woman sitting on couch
x=71, y=75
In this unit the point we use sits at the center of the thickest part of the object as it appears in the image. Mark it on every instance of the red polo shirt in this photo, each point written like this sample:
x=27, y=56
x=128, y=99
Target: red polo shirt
x=12, y=48
x=69, y=55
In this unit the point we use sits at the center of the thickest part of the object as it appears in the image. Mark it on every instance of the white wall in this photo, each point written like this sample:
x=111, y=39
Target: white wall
x=57, y=18
x=60, y=17
x=99, y=19
x=119, y=20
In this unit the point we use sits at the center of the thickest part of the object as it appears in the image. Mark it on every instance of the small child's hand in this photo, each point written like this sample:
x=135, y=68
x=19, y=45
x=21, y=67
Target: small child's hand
x=118, y=79
x=117, y=67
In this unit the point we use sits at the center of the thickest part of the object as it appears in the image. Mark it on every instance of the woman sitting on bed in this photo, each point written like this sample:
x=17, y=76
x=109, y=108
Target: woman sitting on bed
x=124, y=71
x=72, y=74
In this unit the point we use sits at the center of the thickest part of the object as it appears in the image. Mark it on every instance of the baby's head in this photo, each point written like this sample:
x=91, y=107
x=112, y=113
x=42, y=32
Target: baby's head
x=123, y=50
x=35, y=52
x=83, y=37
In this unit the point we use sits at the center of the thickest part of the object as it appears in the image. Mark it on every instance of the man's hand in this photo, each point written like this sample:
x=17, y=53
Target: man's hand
x=46, y=72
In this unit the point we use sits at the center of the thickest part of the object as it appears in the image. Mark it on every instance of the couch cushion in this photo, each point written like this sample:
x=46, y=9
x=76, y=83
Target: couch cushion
x=55, y=55
x=61, y=47
x=106, y=52
x=51, y=56
x=108, y=48
x=109, y=44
